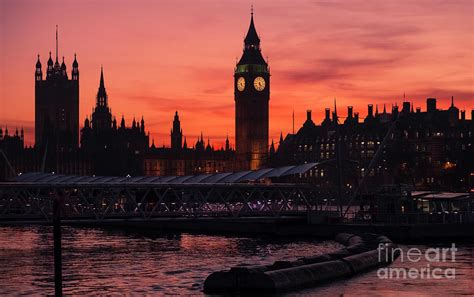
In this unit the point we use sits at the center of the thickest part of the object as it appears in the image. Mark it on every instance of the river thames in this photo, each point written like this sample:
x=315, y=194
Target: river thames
x=105, y=262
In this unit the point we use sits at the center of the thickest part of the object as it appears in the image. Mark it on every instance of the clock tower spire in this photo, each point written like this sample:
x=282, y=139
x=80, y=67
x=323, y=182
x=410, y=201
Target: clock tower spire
x=252, y=95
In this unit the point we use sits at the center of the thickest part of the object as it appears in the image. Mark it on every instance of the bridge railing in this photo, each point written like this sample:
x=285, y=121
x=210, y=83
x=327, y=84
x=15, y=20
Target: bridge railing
x=100, y=202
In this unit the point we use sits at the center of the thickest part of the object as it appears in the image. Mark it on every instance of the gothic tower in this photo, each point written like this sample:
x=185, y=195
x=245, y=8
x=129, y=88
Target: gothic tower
x=252, y=95
x=176, y=134
x=101, y=117
x=57, y=105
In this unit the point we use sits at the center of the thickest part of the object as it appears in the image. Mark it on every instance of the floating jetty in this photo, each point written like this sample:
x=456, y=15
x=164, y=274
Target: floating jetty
x=361, y=253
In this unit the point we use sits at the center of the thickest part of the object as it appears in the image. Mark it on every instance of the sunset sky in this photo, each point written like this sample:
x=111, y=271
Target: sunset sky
x=162, y=56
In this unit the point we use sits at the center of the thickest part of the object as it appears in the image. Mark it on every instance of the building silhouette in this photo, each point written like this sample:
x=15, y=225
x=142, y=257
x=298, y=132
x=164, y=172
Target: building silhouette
x=176, y=134
x=57, y=105
x=13, y=153
x=181, y=159
x=16, y=158
x=252, y=95
x=113, y=149
x=430, y=149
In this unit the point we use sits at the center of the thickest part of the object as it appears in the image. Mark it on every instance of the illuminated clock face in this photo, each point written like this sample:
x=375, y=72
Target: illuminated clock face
x=259, y=83
x=241, y=84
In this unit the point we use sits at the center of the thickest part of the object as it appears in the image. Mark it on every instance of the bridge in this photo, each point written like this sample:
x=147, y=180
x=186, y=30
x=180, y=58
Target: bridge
x=260, y=193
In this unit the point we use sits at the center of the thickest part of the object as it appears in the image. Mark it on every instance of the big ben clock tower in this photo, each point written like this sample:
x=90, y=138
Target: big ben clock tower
x=252, y=94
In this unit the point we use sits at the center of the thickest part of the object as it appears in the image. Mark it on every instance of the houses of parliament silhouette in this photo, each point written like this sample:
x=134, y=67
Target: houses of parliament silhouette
x=430, y=149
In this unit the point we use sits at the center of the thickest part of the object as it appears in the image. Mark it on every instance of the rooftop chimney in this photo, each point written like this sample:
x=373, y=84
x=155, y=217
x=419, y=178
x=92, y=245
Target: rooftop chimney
x=349, y=112
x=370, y=110
x=327, y=114
x=431, y=104
x=308, y=115
x=463, y=115
x=406, y=107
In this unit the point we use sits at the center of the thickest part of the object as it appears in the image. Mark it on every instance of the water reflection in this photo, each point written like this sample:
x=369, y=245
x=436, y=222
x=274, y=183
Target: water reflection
x=101, y=261
x=104, y=261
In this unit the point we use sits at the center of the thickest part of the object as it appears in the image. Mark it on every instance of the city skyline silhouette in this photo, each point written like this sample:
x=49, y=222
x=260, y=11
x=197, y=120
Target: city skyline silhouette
x=151, y=70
